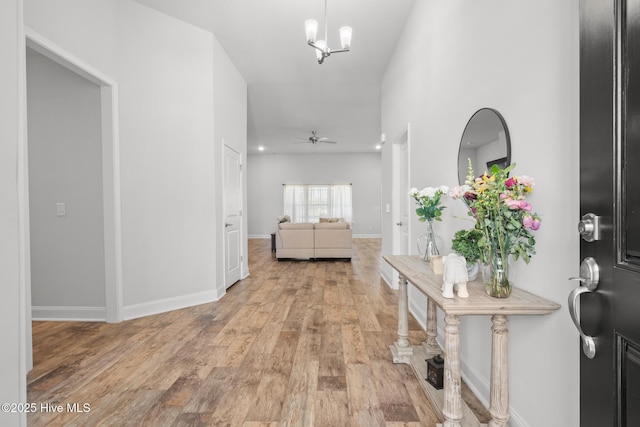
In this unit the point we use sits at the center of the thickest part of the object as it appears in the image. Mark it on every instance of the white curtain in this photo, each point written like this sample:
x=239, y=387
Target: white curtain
x=310, y=202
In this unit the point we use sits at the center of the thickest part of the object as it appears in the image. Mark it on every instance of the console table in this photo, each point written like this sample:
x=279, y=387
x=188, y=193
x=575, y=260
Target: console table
x=448, y=402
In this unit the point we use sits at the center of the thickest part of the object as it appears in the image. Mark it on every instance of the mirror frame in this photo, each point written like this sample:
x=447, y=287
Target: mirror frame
x=506, y=135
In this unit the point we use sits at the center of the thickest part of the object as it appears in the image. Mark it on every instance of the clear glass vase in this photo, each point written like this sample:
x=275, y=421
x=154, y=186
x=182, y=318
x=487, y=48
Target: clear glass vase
x=429, y=242
x=495, y=275
x=472, y=270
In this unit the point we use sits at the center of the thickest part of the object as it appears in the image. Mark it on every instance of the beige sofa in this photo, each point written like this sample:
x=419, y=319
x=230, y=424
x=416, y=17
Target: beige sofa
x=314, y=240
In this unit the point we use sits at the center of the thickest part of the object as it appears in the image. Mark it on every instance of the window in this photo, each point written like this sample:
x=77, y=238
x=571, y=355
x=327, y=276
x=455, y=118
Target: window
x=310, y=202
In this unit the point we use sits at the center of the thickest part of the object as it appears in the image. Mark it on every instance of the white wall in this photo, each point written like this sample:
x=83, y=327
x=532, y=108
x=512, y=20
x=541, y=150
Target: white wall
x=267, y=173
x=165, y=77
x=87, y=29
x=169, y=152
x=520, y=58
x=65, y=166
x=13, y=235
x=230, y=116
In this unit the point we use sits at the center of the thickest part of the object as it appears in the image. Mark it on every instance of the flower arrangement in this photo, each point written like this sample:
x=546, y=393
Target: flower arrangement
x=429, y=209
x=428, y=201
x=504, y=218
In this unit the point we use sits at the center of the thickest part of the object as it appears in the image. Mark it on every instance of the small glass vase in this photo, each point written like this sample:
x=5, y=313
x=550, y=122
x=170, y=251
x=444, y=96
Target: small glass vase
x=429, y=242
x=495, y=276
x=472, y=270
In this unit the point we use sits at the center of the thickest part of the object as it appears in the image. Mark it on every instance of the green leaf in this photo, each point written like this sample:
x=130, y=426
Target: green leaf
x=509, y=168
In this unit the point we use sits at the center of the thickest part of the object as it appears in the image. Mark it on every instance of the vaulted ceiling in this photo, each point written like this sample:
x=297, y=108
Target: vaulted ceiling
x=289, y=93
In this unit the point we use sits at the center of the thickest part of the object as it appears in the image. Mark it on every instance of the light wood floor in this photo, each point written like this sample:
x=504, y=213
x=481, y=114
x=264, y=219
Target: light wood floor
x=295, y=344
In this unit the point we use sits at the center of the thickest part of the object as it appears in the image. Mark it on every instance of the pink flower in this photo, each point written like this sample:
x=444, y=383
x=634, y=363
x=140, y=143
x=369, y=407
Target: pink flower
x=518, y=204
x=513, y=204
x=527, y=181
x=530, y=222
x=459, y=191
x=511, y=182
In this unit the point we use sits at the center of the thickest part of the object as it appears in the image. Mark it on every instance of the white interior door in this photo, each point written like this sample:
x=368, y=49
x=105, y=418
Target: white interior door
x=401, y=193
x=232, y=216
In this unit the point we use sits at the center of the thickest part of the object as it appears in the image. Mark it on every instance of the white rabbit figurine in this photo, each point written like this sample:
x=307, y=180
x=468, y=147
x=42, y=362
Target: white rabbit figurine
x=455, y=273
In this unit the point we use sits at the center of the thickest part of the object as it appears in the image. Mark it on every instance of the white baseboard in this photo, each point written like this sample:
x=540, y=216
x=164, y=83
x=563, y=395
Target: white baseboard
x=259, y=236
x=419, y=313
x=389, y=275
x=168, y=304
x=69, y=314
x=387, y=280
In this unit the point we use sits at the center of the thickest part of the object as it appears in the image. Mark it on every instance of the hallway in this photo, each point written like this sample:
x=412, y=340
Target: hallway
x=297, y=343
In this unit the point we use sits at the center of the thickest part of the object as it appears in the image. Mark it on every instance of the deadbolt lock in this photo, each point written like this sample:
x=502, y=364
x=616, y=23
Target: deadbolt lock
x=589, y=227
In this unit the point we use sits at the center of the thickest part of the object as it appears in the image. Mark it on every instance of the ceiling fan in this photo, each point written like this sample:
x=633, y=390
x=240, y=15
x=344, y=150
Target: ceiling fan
x=315, y=139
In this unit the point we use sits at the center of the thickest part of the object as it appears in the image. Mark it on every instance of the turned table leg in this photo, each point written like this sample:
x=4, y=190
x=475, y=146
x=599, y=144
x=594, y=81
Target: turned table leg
x=452, y=410
x=401, y=349
x=431, y=344
x=499, y=404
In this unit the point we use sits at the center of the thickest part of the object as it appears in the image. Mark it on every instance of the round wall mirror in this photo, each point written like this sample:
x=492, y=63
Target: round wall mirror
x=485, y=141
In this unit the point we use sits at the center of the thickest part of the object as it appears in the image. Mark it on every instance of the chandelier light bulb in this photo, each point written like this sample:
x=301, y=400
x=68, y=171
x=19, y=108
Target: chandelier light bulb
x=345, y=37
x=311, y=28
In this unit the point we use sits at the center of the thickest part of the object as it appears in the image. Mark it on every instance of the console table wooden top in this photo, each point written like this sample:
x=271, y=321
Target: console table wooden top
x=417, y=272
x=448, y=402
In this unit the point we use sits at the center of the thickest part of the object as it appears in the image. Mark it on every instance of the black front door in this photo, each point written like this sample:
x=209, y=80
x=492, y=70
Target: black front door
x=610, y=190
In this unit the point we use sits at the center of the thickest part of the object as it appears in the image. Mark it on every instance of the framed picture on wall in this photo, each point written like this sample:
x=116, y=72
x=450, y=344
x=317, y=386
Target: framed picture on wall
x=501, y=162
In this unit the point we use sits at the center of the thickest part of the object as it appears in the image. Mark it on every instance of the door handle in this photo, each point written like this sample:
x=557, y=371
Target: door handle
x=589, y=279
x=399, y=224
x=588, y=343
x=226, y=224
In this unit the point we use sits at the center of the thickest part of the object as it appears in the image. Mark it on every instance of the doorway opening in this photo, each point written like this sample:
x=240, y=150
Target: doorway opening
x=108, y=180
x=400, y=189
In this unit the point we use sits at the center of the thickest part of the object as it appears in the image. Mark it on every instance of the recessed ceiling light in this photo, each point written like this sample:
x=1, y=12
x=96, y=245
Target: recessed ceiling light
x=261, y=148
x=378, y=147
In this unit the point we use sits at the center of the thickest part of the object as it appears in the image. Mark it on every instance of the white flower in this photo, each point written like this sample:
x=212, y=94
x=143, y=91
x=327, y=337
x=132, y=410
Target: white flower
x=428, y=192
x=413, y=192
x=443, y=189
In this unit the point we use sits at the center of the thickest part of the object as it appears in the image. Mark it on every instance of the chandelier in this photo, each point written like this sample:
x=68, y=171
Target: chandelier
x=321, y=46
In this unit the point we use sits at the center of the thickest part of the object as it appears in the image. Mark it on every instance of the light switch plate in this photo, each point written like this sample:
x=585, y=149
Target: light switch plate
x=61, y=209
